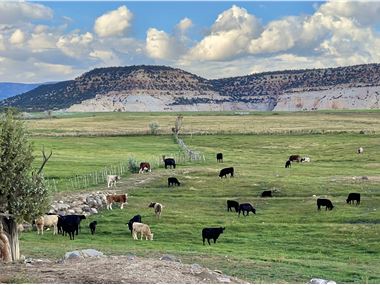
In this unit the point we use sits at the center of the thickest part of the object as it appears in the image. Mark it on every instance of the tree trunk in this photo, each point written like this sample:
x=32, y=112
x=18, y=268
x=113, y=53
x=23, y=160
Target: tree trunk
x=10, y=228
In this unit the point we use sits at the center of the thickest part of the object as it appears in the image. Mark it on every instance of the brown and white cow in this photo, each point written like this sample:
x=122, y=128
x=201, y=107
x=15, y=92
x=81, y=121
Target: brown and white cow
x=144, y=167
x=116, y=198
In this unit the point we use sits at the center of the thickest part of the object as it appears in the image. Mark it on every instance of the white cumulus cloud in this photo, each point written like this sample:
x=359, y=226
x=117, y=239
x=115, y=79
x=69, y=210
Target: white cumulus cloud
x=160, y=45
x=113, y=23
x=75, y=45
x=230, y=35
x=184, y=25
x=14, y=12
x=17, y=38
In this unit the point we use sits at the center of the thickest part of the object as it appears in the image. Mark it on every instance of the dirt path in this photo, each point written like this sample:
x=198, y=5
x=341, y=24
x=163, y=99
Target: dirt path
x=111, y=270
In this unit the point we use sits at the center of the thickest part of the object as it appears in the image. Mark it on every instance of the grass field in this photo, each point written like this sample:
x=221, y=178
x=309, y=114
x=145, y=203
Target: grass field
x=287, y=241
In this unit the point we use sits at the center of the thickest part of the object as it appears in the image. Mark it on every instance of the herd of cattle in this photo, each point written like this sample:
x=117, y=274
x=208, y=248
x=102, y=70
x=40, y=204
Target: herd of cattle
x=69, y=224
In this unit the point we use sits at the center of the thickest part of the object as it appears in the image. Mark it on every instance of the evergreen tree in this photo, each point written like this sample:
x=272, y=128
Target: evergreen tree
x=23, y=194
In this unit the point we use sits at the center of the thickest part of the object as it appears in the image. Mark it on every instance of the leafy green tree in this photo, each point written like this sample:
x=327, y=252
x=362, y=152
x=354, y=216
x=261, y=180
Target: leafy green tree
x=23, y=194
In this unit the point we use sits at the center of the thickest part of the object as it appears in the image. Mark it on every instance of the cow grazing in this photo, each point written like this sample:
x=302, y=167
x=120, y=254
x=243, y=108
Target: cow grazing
x=143, y=230
x=92, y=226
x=246, y=207
x=225, y=171
x=288, y=164
x=305, y=159
x=169, y=161
x=352, y=197
x=112, y=179
x=295, y=157
x=70, y=224
x=324, y=202
x=211, y=233
x=173, y=181
x=219, y=157
x=232, y=204
x=360, y=150
x=145, y=167
x=135, y=219
x=266, y=193
x=116, y=198
x=157, y=208
x=47, y=221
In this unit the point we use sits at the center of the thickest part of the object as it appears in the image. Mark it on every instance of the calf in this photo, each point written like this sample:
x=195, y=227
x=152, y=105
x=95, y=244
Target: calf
x=219, y=157
x=137, y=219
x=157, y=208
x=225, y=171
x=266, y=193
x=145, y=167
x=246, y=207
x=120, y=198
x=112, y=179
x=92, y=226
x=211, y=233
x=324, y=202
x=143, y=230
x=288, y=164
x=295, y=157
x=232, y=204
x=352, y=197
x=173, y=181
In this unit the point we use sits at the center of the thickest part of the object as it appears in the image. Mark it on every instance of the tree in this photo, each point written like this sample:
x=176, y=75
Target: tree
x=23, y=194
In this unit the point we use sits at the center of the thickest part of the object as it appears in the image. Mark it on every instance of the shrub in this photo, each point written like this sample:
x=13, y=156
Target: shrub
x=133, y=166
x=153, y=127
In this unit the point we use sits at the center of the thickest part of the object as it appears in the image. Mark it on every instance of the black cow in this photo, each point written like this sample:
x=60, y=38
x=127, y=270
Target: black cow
x=246, y=207
x=295, y=157
x=92, y=226
x=225, y=171
x=324, y=202
x=70, y=224
x=211, y=233
x=219, y=157
x=266, y=193
x=136, y=219
x=288, y=164
x=173, y=181
x=169, y=162
x=353, y=197
x=232, y=204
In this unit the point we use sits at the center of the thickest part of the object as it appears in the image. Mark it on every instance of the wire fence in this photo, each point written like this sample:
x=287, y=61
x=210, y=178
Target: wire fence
x=98, y=177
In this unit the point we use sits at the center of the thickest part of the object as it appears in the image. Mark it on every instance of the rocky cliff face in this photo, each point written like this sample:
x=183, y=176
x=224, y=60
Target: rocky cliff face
x=161, y=88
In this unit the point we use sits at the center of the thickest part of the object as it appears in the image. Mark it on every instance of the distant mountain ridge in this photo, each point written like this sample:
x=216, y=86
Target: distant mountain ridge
x=162, y=88
x=9, y=89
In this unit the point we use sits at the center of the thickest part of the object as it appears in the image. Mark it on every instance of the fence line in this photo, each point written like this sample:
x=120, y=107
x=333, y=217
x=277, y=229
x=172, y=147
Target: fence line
x=191, y=154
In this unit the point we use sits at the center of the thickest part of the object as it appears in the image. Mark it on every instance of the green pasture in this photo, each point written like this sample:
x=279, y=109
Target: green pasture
x=288, y=240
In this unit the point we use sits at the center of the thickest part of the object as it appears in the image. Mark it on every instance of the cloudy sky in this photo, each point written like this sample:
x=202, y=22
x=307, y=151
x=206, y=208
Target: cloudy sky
x=53, y=41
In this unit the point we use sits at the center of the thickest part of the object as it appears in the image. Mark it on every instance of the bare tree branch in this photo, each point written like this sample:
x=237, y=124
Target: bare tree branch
x=45, y=159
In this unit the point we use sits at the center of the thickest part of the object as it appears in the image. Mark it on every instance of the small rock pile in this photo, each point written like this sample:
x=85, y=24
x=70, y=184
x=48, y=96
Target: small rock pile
x=87, y=204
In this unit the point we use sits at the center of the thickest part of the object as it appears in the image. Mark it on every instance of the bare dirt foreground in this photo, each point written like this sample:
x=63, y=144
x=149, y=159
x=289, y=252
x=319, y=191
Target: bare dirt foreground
x=111, y=270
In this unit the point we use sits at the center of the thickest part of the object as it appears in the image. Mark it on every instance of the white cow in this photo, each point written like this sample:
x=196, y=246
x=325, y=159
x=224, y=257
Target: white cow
x=360, y=150
x=112, y=179
x=143, y=229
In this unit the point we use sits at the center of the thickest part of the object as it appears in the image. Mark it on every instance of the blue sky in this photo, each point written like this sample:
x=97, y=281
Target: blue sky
x=51, y=41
